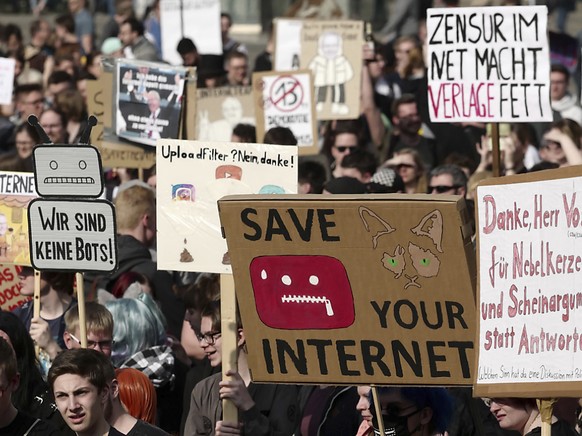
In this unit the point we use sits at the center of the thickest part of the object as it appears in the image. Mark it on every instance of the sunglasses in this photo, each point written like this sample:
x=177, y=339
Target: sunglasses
x=441, y=189
x=344, y=148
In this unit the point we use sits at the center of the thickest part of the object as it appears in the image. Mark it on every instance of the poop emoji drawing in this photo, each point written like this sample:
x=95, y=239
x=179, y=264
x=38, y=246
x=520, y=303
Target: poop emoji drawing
x=411, y=261
x=302, y=292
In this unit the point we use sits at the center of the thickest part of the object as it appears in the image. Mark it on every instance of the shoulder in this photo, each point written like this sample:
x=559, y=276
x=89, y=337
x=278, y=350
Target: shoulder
x=142, y=428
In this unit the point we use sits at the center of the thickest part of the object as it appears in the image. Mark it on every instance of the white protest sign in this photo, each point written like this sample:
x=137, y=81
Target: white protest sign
x=530, y=305
x=192, y=176
x=285, y=99
x=72, y=235
x=69, y=171
x=287, y=44
x=7, y=66
x=488, y=64
x=198, y=20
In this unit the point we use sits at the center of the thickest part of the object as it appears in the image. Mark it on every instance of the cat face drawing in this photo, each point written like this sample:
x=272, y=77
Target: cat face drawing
x=412, y=256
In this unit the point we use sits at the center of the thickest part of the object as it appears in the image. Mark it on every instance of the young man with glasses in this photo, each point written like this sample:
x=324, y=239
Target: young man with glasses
x=99, y=328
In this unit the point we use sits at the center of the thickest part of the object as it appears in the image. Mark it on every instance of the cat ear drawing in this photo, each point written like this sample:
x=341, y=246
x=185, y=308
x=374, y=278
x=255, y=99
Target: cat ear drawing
x=431, y=226
x=387, y=227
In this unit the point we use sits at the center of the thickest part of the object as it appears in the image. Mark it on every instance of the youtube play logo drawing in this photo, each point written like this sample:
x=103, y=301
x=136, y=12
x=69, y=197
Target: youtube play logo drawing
x=302, y=292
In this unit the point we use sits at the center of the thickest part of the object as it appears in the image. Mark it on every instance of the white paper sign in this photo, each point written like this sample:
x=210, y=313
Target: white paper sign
x=530, y=307
x=287, y=102
x=198, y=20
x=288, y=44
x=72, y=235
x=488, y=64
x=192, y=176
x=7, y=66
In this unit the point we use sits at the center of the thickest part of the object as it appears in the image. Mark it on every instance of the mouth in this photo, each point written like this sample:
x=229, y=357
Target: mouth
x=76, y=419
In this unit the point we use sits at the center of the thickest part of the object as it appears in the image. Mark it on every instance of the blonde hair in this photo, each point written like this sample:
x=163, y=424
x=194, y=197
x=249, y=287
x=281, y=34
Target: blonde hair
x=131, y=204
x=97, y=317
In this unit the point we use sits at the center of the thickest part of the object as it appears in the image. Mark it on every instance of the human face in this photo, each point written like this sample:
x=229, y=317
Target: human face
x=53, y=126
x=26, y=279
x=376, y=66
x=214, y=351
x=232, y=111
x=224, y=25
x=80, y=403
x=558, y=85
x=552, y=151
x=395, y=405
x=98, y=341
x=511, y=413
x=364, y=402
x=153, y=102
x=408, y=120
x=237, y=71
x=24, y=146
x=75, y=6
x=402, y=53
x=44, y=32
x=343, y=145
x=407, y=168
x=439, y=184
x=126, y=36
x=32, y=103
x=190, y=59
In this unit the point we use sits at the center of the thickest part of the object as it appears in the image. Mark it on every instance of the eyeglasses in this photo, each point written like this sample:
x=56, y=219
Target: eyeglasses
x=104, y=345
x=441, y=189
x=210, y=337
x=344, y=148
x=551, y=145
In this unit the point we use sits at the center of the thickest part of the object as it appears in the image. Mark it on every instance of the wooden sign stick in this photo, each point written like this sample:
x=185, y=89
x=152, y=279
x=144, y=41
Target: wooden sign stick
x=36, y=303
x=546, y=408
x=378, y=409
x=81, y=306
x=495, y=149
x=229, y=339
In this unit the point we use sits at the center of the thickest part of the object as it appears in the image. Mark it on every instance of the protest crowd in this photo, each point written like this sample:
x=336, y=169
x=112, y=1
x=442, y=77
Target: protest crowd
x=153, y=363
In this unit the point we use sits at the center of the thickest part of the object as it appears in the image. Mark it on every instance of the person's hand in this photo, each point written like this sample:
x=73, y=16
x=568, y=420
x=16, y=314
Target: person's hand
x=554, y=135
x=236, y=391
x=368, y=52
x=508, y=152
x=227, y=428
x=484, y=150
x=41, y=335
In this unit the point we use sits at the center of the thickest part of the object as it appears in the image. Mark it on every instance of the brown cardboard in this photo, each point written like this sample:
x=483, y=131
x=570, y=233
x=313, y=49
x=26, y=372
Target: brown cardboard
x=96, y=107
x=533, y=389
x=303, y=105
x=10, y=296
x=335, y=246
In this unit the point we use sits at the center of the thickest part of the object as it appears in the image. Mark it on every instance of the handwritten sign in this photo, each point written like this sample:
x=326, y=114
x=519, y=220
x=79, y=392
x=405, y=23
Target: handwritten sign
x=353, y=290
x=287, y=44
x=192, y=176
x=10, y=296
x=530, y=302
x=7, y=66
x=285, y=99
x=488, y=64
x=72, y=235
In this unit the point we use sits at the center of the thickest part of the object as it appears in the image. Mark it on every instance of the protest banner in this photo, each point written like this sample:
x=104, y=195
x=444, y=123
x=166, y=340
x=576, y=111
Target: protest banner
x=375, y=289
x=198, y=20
x=488, y=64
x=220, y=109
x=10, y=296
x=529, y=301
x=16, y=191
x=7, y=66
x=285, y=99
x=287, y=44
x=149, y=98
x=332, y=50
x=192, y=176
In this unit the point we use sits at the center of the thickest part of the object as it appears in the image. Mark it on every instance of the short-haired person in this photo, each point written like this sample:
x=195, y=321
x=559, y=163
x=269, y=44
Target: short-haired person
x=562, y=101
x=188, y=52
x=447, y=179
x=80, y=381
x=13, y=421
x=131, y=34
x=243, y=132
x=360, y=164
x=522, y=415
x=99, y=328
x=236, y=65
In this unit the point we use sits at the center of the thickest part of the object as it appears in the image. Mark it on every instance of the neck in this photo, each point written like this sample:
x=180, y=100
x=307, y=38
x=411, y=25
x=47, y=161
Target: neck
x=410, y=187
x=137, y=233
x=534, y=420
x=120, y=419
x=7, y=417
x=409, y=138
x=100, y=429
x=54, y=304
x=243, y=367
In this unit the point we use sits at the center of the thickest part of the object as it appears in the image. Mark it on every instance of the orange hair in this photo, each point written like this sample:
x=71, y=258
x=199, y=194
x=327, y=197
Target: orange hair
x=137, y=393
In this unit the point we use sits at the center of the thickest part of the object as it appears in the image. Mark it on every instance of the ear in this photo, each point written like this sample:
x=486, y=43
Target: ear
x=425, y=415
x=431, y=226
x=68, y=340
x=241, y=338
x=114, y=388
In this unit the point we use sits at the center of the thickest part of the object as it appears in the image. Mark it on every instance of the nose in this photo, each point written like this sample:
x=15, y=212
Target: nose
x=494, y=407
x=72, y=403
x=363, y=404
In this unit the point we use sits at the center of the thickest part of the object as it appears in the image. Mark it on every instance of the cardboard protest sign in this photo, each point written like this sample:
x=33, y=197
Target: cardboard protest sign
x=220, y=109
x=374, y=289
x=149, y=98
x=287, y=44
x=96, y=107
x=72, y=235
x=7, y=66
x=16, y=191
x=488, y=64
x=10, y=296
x=530, y=303
x=198, y=20
x=192, y=176
x=285, y=99
x=332, y=50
